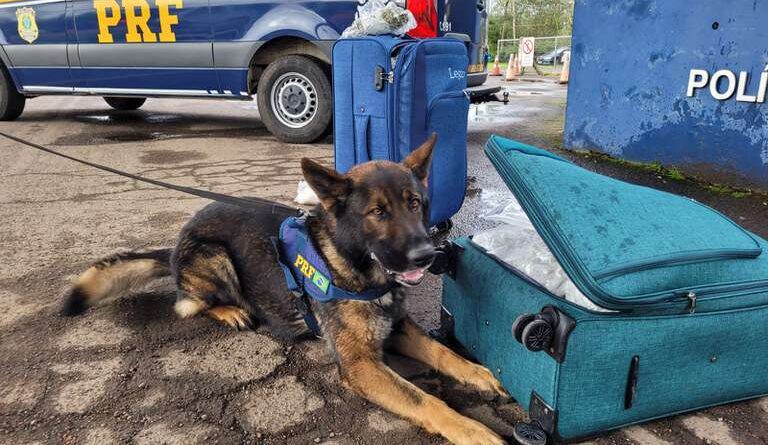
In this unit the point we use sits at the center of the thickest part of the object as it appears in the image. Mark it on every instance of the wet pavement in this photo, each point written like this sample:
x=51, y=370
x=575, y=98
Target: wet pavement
x=128, y=372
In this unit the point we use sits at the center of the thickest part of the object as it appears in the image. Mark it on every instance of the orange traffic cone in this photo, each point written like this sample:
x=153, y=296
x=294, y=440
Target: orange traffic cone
x=496, y=70
x=510, y=75
x=565, y=74
x=518, y=66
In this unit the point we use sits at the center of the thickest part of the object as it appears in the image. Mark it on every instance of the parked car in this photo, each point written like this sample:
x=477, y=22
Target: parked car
x=128, y=50
x=552, y=57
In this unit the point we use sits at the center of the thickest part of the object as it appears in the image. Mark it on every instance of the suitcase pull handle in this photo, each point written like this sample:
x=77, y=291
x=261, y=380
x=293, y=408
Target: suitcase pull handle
x=362, y=149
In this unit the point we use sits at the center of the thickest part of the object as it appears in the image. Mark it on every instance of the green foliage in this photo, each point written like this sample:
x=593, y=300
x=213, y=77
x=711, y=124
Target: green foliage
x=674, y=174
x=532, y=18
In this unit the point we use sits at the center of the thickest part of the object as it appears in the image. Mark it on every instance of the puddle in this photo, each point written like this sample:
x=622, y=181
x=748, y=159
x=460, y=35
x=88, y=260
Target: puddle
x=170, y=156
x=119, y=137
x=129, y=118
x=525, y=93
x=493, y=113
x=116, y=137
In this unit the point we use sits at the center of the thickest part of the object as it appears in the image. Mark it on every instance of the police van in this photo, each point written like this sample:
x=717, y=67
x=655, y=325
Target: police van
x=129, y=50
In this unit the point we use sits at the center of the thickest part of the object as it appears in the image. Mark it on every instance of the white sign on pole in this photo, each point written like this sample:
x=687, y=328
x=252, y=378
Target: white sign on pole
x=527, y=46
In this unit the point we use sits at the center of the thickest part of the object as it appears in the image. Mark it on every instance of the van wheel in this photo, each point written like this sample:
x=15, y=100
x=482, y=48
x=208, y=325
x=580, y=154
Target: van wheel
x=125, y=103
x=11, y=101
x=294, y=99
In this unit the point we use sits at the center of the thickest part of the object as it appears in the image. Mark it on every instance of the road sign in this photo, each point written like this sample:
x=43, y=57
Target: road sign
x=527, y=47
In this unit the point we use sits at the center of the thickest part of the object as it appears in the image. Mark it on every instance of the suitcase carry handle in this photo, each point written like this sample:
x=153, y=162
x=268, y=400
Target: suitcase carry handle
x=362, y=150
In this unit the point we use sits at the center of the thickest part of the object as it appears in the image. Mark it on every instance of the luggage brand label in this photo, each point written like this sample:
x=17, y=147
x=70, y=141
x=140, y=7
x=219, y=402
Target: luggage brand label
x=456, y=74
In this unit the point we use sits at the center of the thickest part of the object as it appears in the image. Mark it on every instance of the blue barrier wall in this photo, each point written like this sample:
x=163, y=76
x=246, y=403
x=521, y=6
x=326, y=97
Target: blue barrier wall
x=631, y=71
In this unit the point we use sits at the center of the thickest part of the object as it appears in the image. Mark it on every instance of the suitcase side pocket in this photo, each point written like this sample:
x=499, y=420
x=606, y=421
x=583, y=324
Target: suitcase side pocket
x=447, y=116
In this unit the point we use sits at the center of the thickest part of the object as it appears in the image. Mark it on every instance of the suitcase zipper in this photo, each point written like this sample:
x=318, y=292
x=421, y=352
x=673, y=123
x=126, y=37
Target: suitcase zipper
x=394, y=92
x=393, y=79
x=689, y=258
x=581, y=277
x=694, y=297
x=691, y=302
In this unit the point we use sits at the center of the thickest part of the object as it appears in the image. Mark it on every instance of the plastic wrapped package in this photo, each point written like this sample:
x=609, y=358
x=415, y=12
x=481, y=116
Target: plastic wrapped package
x=517, y=243
x=305, y=195
x=378, y=17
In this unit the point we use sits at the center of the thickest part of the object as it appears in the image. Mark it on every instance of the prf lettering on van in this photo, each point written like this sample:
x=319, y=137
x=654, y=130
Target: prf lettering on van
x=137, y=14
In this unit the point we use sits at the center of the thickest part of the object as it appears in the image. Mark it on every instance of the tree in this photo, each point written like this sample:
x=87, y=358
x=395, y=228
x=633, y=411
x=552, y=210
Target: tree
x=529, y=18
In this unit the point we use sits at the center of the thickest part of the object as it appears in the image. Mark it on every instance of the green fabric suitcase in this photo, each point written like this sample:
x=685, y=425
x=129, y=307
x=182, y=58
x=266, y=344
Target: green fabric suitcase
x=678, y=293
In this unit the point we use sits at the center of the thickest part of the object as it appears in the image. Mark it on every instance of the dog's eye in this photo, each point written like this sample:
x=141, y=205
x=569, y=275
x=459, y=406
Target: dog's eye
x=415, y=204
x=378, y=211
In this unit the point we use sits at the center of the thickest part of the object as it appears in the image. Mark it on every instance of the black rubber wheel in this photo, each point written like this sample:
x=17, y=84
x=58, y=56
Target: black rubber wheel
x=537, y=336
x=530, y=434
x=11, y=101
x=295, y=99
x=519, y=324
x=444, y=226
x=125, y=103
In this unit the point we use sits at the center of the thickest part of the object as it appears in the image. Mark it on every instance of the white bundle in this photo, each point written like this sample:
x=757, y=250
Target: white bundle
x=517, y=243
x=377, y=17
x=305, y=195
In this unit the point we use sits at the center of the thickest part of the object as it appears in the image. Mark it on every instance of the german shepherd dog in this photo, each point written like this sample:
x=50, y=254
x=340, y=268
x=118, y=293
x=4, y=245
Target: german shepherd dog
x=371, y=227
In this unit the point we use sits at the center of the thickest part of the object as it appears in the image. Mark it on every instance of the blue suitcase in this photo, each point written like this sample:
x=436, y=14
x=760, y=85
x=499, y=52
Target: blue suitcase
x=390, y=94
x=680, y=294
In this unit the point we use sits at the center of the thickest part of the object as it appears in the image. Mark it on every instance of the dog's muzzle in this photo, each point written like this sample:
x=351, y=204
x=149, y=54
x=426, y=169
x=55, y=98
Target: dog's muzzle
x=408, y=278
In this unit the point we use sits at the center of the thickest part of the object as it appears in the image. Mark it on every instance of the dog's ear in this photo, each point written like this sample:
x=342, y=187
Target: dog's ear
x=329, y=185
x=420, y=159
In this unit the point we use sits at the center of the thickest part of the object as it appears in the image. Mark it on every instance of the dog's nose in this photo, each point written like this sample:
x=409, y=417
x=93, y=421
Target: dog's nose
x=422, y=256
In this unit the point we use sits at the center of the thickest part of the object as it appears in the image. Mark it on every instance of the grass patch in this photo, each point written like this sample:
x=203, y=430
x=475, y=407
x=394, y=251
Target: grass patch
x=675, y=174
x=721, y=189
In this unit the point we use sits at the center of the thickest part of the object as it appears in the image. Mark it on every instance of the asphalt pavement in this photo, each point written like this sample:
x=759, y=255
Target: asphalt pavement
x=128, y=371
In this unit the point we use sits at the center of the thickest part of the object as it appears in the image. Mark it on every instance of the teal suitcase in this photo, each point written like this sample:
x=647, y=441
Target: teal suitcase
x=678, y=315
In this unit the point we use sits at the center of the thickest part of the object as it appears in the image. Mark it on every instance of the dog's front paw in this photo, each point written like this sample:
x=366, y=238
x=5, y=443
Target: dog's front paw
x=483, y=379
x=231, y=316
x=472, y=432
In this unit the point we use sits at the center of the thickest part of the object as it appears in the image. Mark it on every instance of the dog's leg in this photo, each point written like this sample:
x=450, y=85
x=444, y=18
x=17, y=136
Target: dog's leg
x=376, y=382
x=208, y=283
x=410, y=340
x=358, y=340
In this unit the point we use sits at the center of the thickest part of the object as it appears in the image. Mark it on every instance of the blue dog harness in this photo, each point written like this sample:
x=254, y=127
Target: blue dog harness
x=306, y=273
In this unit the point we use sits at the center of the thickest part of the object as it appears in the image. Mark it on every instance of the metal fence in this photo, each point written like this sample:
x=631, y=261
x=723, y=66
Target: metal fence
x=544, y=45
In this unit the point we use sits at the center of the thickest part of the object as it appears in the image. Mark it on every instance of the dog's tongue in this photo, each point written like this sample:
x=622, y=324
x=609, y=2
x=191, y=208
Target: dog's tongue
x=413, y=275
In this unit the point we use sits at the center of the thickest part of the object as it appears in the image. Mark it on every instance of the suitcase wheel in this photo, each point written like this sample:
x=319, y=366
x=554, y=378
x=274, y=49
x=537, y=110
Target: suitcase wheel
x=530, y=434
x=536, y=332
x=537, y=335
x=443, y=227
x=520, y=323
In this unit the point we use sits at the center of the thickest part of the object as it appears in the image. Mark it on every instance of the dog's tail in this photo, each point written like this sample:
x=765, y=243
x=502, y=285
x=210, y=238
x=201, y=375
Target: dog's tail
x=115, y=275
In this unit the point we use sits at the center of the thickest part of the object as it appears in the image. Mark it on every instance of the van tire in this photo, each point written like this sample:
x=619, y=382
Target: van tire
x=295, y=99
x=125, y=103
x=11, y=101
